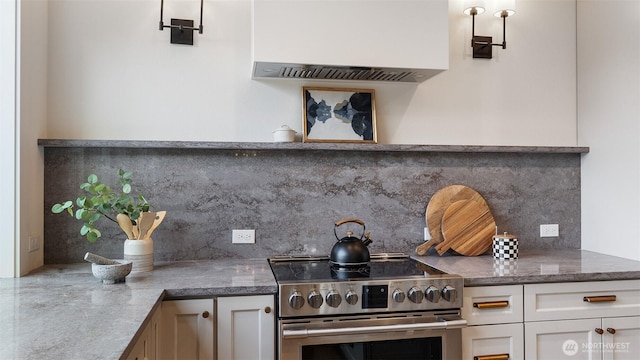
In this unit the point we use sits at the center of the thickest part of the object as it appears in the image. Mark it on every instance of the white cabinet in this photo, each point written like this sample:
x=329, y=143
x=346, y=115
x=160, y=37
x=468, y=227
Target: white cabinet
x=246, y=328
x=621, y=338
x=588, y=320
x=494, y=315
x=146, y=346
x=187, y=329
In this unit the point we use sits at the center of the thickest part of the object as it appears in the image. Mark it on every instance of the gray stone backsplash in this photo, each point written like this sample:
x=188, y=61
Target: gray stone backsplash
x=292, y=198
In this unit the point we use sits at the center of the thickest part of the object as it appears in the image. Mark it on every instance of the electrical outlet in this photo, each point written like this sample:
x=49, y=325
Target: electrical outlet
x=549, y=230
x=243, y=236
x=34, y=243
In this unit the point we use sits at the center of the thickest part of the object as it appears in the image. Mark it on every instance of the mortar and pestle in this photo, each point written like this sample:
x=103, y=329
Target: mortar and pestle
x=107, y=270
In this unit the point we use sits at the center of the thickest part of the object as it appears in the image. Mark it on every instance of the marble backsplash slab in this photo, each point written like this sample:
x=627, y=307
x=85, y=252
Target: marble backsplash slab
x=292, y=198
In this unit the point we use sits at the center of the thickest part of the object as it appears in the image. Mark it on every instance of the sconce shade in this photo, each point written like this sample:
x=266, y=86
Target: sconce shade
x=505, y=8
x=504, y=13
x=469, y=5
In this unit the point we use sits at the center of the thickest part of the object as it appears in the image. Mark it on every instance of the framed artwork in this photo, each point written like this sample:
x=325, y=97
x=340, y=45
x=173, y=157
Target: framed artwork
x=338, y=115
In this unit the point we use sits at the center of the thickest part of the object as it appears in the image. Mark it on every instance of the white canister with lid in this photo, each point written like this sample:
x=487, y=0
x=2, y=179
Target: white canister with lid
x=284, y=134
x=505, y=246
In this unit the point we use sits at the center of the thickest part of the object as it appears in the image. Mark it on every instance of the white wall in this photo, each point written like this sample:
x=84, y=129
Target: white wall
x=609, y=123
x=8, y=49
x=113, y=75
x=32, y=115
x=110, y=74
x=23, y=110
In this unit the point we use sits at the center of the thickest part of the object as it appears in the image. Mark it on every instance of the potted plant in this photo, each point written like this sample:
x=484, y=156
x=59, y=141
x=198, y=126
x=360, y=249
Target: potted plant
x=128, y=211
x=100, y=201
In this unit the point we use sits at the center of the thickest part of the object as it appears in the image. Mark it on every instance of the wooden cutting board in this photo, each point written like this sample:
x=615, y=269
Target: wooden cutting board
x=436, y=207
x=467, y=227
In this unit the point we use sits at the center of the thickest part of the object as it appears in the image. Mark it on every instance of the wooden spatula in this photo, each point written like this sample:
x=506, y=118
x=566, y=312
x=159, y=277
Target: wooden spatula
x=125, y=225
x=156, y=222
x=146, y=222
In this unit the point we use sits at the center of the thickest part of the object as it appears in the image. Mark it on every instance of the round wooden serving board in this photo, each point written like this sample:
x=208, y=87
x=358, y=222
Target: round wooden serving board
x=436, y=207
x=467, y=227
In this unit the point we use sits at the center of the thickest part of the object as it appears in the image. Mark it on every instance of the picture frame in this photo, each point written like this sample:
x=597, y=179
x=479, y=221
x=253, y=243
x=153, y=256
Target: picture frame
x=337, y=115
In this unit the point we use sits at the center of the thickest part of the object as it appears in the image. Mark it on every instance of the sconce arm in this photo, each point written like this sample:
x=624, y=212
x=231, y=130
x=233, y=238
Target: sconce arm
x=162, y=26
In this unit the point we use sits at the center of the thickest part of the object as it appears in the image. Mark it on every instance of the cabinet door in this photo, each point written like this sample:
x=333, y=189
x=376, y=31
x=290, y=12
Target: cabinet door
x=246, y=328
x=139, y=349
x=187, y=329
x=484, y=341
x=621, y=338
x=145, y=347
x=565, y=339
x=152, y=349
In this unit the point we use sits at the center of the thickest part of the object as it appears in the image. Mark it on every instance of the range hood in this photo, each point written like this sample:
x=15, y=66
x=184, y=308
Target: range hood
x=373, y=40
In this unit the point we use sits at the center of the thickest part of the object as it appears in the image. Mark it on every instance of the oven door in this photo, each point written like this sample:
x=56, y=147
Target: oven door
x=408, y=336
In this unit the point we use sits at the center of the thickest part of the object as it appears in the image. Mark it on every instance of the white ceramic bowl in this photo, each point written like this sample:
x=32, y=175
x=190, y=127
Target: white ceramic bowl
x=111, y=274
x=284, y=134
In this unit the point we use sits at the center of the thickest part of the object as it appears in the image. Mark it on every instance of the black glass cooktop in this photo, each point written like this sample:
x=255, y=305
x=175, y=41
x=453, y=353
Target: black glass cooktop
x=309, y=269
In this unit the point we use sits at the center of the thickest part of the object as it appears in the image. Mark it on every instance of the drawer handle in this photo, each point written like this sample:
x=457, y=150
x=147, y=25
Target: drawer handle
x=597, y=299
x=492, y=357
x=599, y=331
x=611, y=331
x=491, y=304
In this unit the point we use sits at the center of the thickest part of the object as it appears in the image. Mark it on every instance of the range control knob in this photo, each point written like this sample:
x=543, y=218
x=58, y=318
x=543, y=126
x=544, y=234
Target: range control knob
x=296, y=300
x=314, y=299
x=449, y=293
x=351, y=297
x=432, y=294
x=416, y=295
x=398, y=295
x=333, y=299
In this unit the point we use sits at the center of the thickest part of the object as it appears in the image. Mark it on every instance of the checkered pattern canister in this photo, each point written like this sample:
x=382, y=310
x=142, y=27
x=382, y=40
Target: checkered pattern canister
x=505, y=246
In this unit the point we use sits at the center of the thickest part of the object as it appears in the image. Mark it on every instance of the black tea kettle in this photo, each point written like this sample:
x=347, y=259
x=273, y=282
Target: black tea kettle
x=350, y=251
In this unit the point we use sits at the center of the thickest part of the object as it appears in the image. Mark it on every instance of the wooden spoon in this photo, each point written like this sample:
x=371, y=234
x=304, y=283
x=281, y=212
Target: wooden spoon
x=146, y=221
x=125, y=225
x=136, y=233
x=156, y=222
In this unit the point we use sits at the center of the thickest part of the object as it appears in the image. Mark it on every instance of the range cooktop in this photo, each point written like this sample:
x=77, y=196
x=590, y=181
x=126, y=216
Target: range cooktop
x=311, y=286
x=318, y=269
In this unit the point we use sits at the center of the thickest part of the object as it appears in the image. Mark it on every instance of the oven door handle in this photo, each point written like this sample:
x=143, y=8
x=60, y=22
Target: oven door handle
x=439, y=325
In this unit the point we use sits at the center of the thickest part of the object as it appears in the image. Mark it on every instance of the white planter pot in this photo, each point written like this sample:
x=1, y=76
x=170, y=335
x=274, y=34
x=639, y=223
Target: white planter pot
x=141, y=253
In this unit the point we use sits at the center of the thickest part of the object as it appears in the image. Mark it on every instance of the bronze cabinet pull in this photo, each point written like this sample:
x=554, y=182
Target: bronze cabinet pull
x=603, y=298
x=491, y=304
x=267, y=309
x=611, y=330
x=492, y=357
x=205, y=314
x=599, y=331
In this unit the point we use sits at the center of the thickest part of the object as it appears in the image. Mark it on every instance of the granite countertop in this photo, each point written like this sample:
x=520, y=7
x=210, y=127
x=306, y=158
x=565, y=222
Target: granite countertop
x=63, y=312
x=536, y=267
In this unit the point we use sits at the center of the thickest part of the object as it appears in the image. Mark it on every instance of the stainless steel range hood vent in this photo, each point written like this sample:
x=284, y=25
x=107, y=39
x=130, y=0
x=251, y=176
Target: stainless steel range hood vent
x=372, y=40
x=293, y=71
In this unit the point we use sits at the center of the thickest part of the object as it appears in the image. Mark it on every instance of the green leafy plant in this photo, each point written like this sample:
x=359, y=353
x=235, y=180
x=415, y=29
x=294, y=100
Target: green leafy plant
x=101, y=201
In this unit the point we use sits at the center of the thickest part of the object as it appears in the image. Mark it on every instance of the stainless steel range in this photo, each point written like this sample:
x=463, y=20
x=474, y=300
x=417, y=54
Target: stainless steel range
x=389, y=308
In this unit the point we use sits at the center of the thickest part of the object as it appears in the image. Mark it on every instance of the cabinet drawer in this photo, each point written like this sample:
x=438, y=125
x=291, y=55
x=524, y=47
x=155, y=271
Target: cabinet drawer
x=504, y=341
x=581, y=300
x=492, y=304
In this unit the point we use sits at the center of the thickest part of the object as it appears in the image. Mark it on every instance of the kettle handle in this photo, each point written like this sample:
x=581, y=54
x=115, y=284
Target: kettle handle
x=348, y=220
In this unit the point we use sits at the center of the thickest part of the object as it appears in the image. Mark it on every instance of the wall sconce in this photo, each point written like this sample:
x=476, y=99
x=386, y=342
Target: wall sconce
x=483, y=45
x=181, y=30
